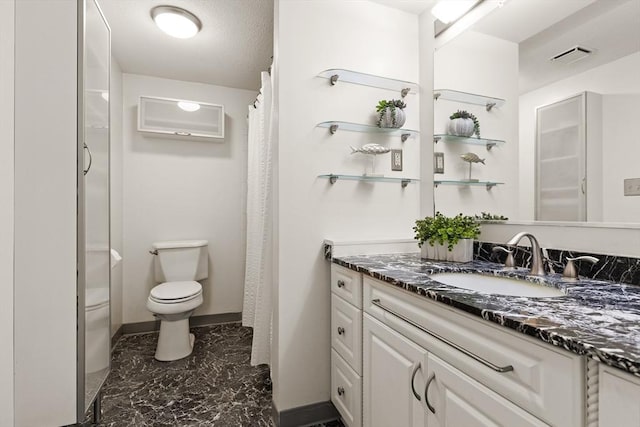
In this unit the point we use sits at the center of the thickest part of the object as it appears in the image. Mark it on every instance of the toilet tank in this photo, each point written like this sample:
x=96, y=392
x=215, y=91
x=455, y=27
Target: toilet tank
x=181, y=260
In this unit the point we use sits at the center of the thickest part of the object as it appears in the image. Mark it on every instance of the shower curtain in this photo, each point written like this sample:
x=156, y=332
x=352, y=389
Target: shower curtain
x=257, y=304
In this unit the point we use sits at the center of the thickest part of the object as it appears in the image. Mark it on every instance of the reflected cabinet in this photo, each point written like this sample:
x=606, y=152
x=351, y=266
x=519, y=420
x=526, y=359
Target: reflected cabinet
x=568, y=159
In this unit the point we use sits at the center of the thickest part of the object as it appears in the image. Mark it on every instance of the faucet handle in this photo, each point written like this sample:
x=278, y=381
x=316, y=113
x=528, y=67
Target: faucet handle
x=510, y=262
x=570, y=271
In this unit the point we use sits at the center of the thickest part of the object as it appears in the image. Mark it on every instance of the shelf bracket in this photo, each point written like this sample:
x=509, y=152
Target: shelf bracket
x=333, y=129
x=404, y=182
x=333, y=179
x=490, y=105
x=490, y=145
x=334, y=79
x=404, y=92
x=436, y=139
x=404, y=137
x=490, y=186
x=436, y=95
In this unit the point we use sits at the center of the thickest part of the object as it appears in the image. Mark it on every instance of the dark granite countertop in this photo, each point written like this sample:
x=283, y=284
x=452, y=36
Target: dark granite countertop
x=595, y=318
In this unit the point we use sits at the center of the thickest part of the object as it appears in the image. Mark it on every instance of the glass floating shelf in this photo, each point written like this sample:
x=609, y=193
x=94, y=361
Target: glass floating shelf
x=334, y=126
x=489, y=143
x=487, y=184
x=468, y=98
x=337, y=74
x=334, y=177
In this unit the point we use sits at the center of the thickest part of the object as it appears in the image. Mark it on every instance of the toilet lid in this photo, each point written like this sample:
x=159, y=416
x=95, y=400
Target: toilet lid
x=171, y=291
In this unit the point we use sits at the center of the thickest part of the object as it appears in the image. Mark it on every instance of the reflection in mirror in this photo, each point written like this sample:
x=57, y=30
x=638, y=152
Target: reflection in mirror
x=509, y=54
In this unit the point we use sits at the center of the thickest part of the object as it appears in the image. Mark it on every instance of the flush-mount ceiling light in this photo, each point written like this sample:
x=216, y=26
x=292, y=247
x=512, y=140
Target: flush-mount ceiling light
x=189, y=106
x=449, y=10
x=176, y=22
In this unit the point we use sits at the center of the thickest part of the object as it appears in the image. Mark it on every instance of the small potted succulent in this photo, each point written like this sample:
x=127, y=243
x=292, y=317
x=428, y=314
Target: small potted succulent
x=447, y=238
x=391, y=113
x=464, y=123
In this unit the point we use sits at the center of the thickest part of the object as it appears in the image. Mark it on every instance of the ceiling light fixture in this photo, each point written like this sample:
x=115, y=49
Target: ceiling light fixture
x=189, y=106
x=176, y=21
x=449, y=10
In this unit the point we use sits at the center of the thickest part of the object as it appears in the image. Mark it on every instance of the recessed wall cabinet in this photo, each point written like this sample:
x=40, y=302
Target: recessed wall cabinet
x=569, y=159
x=426, y=364
x=180, y=118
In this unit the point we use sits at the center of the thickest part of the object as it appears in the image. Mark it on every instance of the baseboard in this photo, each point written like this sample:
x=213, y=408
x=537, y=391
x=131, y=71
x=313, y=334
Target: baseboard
x=115, y=337
x=194, y=321
x=305, y=415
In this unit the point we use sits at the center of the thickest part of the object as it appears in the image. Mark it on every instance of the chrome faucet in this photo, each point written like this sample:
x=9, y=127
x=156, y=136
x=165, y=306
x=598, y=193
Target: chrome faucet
x=537, y=260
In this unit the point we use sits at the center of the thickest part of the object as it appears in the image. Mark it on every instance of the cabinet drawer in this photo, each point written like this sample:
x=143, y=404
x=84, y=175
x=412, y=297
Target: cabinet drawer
x=546, y=381
x=346, y=332
x=347, y=283
x=346, y=391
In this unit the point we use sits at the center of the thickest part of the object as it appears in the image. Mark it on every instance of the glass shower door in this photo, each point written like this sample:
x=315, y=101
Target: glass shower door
x=97, y=256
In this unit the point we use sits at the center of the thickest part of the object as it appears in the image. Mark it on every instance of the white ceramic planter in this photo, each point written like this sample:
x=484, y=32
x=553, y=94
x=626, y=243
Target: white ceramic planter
x=387, y=119
x=461, y=127
x=462, y=251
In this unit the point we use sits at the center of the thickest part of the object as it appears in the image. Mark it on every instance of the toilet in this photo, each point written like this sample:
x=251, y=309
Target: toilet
x=177, y=267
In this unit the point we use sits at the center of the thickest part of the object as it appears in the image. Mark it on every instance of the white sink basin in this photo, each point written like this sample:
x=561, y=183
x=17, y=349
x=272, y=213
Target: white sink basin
x=497, y=285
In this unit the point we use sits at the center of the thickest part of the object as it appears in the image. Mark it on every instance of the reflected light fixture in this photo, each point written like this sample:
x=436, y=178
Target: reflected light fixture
x=189, y=106
x=176, y=21
x=449, y=10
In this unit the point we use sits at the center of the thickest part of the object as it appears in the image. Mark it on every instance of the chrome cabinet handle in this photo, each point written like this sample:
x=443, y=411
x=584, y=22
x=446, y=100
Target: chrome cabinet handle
x=340, y=330
x=341, y=283
x=463, y=350
x=413, y=376
x=426, y=390
x=182, y=133
x=86, y=147
x=340, y=391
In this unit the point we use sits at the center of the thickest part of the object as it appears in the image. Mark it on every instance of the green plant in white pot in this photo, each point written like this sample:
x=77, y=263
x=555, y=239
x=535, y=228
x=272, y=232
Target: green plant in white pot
x=464, y=123
x=447, y=238
x=391, y=113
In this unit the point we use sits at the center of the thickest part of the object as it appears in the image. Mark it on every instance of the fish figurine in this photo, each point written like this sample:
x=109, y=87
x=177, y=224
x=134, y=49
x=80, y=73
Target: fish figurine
x=370, y=149
x=472, y=158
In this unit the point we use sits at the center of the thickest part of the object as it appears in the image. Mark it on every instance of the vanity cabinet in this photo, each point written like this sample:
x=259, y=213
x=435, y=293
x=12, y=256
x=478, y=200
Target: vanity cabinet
x=619, y=398
x=424, y=363
x=346, y=344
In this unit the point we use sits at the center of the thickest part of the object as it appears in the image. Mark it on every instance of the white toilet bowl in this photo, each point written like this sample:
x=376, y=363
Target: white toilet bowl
x=173, y=303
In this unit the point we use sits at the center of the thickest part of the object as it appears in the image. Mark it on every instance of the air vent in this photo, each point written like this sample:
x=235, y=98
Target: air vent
x=572, y=55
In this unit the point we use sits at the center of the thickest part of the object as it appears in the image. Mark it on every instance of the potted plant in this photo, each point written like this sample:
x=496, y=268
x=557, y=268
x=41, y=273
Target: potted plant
x=391, y=113
x=488, y=218
x=447, y=238
x=464, y=123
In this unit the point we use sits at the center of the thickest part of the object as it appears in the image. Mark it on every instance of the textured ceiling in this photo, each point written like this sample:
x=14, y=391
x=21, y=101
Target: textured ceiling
x=234, y=46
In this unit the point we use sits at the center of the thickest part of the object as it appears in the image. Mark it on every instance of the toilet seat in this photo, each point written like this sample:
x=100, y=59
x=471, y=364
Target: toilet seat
x=175, y=292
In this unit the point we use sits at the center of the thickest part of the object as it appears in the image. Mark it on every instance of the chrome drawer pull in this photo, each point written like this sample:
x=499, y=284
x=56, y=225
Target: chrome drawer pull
x=340, y=330
x=426, y=390
x=340, y=391
x=341, y=283
x=486, y=363
x=413, y=376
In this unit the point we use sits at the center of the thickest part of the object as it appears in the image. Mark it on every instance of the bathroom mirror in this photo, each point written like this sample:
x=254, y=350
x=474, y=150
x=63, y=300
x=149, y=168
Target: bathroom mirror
x=508, y=55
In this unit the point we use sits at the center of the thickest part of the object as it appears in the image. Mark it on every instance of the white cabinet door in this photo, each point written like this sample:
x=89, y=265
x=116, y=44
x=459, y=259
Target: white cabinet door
x=619, y=398
x=456, y=400
x=393, y=378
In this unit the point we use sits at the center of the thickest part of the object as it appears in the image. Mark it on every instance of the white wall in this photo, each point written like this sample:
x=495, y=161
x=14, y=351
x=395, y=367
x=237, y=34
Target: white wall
x=620, y=148
x=45, y=212
x=116, y=159
x=184, y=189
x=484, y=65
x=315, y=35
x=7, y=9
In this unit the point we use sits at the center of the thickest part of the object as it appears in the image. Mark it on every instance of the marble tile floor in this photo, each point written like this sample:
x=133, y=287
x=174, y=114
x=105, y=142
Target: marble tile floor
x=214, y=386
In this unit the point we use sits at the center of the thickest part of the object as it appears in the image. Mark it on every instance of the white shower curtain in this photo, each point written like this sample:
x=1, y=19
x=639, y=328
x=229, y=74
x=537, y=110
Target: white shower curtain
x=257, y=305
